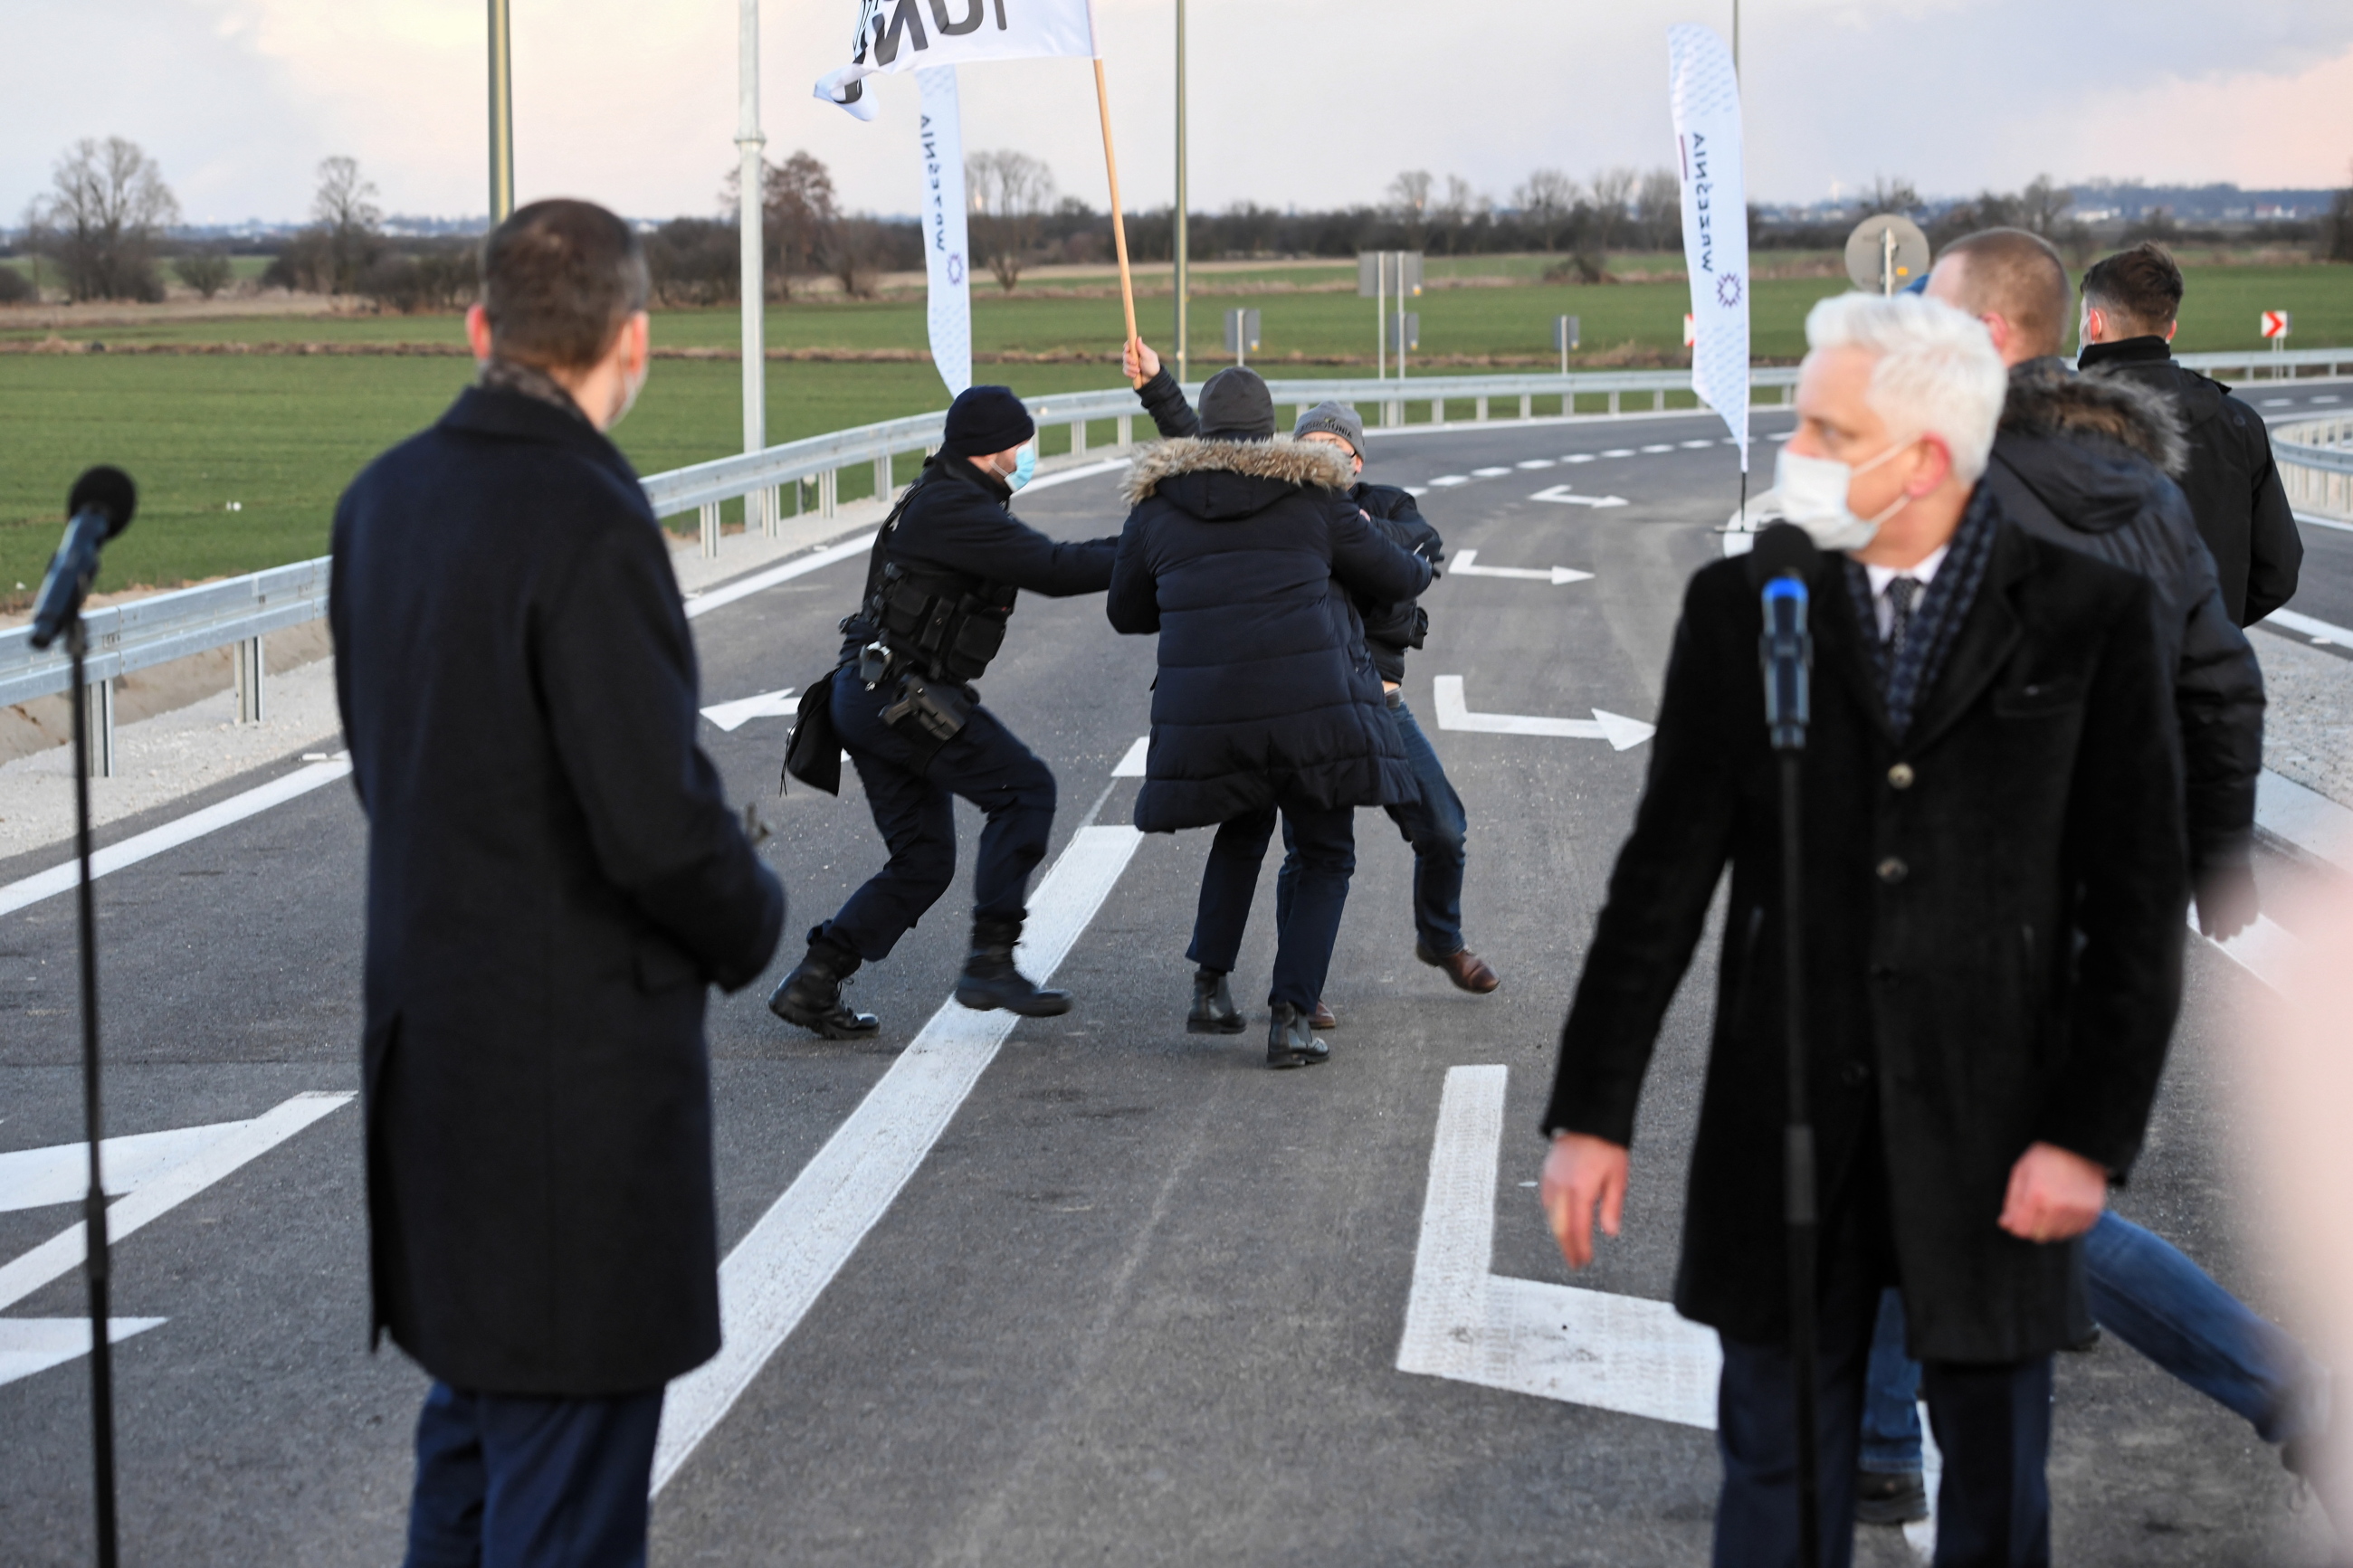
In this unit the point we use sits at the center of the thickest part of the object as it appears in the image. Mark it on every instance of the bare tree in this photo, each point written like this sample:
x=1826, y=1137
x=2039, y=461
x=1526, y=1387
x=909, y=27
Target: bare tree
x=854, y=252
x=1409, y=198
x=1613, y=191
x=206, y=271
x=1659, y=210
x=346, y=218
x=798, y=200
x=1887, y=196
x=2335, y=230
x=1547, y=203
x=107, y=207
x=2043, y=209
x=1010, y=192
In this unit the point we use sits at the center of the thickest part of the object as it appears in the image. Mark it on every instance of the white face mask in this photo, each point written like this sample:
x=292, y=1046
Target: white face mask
x=1813, y=491
x=630, y=388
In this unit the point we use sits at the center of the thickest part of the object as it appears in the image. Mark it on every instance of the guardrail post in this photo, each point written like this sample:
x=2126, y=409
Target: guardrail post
x=1127, y=430
x=1482, y=415
x=251, y=673
x=883, y=478
x=829, y=493
x=1527, y=406
x=711, y=532
x=1077, y=437
x=1613, y=402
x=100, y=715
x=1438, y=411
x=772, y=511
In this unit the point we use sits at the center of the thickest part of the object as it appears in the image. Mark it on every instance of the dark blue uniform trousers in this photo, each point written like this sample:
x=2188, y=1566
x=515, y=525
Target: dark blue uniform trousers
x=1435, y=825
x=508, y=1480
x=916, y=811
x=1307, y=922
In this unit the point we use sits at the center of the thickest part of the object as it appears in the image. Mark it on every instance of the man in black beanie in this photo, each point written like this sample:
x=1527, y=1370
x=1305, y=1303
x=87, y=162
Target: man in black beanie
x=939, y=587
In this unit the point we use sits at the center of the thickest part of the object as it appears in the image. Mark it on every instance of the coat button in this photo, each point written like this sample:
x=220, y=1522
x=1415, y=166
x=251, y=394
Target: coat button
x=1892, y=870
x=1901, y=776
x=1854, y=1075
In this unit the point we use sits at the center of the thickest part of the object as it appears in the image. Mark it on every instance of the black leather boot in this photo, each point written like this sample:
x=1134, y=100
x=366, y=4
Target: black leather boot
x=989, y=979
x=811, y=994
x=1213, y=1005
x=1288, y=1042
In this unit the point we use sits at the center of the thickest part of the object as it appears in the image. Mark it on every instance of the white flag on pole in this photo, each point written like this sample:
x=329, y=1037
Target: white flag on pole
x=947, y=255
x=915, y=35
x=1706, y=93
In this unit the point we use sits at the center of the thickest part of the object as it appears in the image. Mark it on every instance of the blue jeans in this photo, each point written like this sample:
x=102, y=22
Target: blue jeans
x=2148, y=1295
x=1434, y=825
x=1891, y=1405
x=510, y=1481
x=1306, y=924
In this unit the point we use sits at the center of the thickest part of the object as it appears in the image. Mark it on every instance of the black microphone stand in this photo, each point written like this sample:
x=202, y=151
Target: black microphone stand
x=1788, y=654
x=96, y=1263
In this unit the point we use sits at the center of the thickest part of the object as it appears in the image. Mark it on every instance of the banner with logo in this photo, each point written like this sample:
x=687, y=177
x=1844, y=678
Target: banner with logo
x=1705, y=92
x=916, y=34
x=946, y=257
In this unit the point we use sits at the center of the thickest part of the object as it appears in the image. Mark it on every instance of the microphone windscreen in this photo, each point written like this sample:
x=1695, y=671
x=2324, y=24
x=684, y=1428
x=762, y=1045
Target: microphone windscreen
x=107, y=490
x=1782, y=548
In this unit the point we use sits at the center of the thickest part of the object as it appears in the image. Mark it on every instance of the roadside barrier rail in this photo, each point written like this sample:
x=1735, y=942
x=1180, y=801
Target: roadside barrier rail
x=239, y=611
x=2316, y=463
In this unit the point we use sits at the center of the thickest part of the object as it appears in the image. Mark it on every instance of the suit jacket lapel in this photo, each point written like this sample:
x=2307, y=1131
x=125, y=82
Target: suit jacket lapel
x=1983, y=646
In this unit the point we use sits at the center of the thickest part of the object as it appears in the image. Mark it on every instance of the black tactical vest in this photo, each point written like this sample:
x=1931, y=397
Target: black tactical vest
x=942, y=623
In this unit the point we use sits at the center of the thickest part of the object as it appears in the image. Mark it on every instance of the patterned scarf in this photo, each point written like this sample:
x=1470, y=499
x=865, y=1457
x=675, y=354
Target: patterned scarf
x=1906, y=679
x=511, y=375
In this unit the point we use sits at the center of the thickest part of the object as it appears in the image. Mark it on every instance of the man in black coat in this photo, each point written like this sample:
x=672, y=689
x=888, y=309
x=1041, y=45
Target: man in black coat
x=554, y=877
x=2130, y=303
x=1995, y=889
x=1241, y=551
x=939, y=587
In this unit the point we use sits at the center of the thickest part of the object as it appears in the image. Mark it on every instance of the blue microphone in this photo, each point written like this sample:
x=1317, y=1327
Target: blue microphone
x=1783, y=555
x=99, y=507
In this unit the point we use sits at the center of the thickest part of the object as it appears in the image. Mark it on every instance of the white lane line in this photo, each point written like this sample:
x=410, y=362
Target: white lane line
x=1489, y=473
x=1465, y=563
x=1072, y=475
x=732, y=716
x=2265, y=949
x=1454, y=713
x=745, y=587
x=1526, y=1336
x=1579, y=457
x=1131, y=765
x=36, y=1178
x=1619, y=452
x=2311, y=519
x=2319, y=630
x=61, y=879
x=239, y=1142
x=2305, y=819
x=1444, y=481
x=775, y=1274
x=1537, y=463
x=2330, y=398
x=1661, y=447
x=1560, y=496
x=2279, y=401
x=1703, y=445
x=28, y=1345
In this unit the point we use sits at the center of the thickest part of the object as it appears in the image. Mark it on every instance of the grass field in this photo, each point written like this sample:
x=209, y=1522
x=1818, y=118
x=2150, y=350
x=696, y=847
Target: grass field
x=280, y=436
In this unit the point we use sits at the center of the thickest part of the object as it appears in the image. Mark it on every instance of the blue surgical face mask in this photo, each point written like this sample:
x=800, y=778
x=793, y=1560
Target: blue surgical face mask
x=1025, y=463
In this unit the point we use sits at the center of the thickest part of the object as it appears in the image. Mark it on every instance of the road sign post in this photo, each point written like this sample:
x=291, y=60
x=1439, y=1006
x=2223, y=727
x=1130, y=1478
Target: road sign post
x=2275, y=325
x=1380, y=273
x=1241, y=334
x=1886, y=253
x=1564, y=333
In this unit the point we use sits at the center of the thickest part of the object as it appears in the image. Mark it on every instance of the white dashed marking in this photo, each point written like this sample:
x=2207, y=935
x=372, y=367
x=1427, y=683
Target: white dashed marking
x=1619, y=452
x=1698, y=446
x=1537, y=463
x=1489, y=473
x=1579, y=457
x=1663, y=447
x=1443, y=481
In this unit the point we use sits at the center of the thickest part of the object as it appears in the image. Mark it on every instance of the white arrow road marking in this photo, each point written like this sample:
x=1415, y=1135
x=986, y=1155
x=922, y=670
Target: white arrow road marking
x=28, y=1345
x=1454, y=713
x=1131, y=766
x=777, y=1272
x=36, y=1178
x=734, y=715
x=1559, y=495
x=1465, y=1322
x=1556, y=575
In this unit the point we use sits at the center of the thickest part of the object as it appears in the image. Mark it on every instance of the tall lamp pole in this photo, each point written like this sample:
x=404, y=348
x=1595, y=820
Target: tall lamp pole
x=1184, y=260
x=502, y=187
x=749, y=144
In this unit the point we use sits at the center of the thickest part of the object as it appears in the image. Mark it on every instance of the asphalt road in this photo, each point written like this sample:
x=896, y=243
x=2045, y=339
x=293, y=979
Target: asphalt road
x=1141, y=1302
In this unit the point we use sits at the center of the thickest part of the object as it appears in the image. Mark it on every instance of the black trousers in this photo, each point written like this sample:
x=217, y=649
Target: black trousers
x=915, y=810
x=1307, y=922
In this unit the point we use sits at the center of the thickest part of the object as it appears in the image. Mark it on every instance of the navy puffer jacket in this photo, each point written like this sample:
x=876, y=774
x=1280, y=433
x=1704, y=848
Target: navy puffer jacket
x=1243, y=556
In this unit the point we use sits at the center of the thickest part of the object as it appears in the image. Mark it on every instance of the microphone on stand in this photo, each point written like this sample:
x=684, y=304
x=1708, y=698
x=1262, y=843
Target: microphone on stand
x=99, y=507
x=1780, y=563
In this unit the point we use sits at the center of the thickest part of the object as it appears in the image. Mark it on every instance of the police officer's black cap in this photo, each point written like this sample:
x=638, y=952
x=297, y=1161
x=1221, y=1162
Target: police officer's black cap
x=985, y=419
x=1237, y=406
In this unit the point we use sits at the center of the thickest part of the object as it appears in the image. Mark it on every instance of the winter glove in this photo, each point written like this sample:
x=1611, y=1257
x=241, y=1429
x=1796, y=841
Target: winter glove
x=2227, y=900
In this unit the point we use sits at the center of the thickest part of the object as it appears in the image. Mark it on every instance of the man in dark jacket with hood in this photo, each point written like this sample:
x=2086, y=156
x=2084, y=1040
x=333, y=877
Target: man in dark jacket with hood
x=939, y=587
x=2130, y=301
x=1241, y=552
x=1436, y=824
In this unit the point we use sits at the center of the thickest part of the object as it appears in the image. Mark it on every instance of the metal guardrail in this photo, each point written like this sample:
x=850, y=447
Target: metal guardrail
x=241, y=610
x=2316, y=463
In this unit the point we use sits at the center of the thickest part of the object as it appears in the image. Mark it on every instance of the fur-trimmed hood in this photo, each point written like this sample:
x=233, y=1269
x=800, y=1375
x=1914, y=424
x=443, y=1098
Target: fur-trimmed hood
x=1317, y=463
x=2047, y=398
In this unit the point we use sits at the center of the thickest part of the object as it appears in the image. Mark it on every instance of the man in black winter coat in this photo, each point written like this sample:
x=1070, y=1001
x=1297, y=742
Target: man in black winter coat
x=554, y=878
x=2087, y=461
x=1436, y=824
x=2130, y=302
x=940, y=588
x=1994, y=896
x=1241, y=551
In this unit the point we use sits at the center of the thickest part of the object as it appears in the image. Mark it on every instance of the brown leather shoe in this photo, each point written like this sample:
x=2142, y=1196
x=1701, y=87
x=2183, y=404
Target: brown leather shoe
x=1465, y=968
x=1323, y=1018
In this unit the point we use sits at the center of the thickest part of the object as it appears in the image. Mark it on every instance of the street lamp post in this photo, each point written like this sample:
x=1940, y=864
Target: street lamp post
x=501, y=115
x=1184, y=269
x=749, y=144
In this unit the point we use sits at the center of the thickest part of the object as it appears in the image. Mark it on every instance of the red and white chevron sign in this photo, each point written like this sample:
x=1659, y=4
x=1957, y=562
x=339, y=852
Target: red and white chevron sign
x=2275, y=323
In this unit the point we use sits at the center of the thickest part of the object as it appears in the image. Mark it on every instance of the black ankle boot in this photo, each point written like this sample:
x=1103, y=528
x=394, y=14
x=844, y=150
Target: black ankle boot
x=1288, y=1042
x=1213, y=1005
x=990, y=980
x=811, y=994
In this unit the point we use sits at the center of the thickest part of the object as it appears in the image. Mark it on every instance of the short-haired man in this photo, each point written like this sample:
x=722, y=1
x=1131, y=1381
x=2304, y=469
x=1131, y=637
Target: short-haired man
x=2131, y=301
x=1992, y=943
x=554, y=878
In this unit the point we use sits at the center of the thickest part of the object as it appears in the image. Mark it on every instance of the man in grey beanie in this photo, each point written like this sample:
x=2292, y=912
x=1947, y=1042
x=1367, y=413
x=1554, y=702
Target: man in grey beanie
x=1436, y=824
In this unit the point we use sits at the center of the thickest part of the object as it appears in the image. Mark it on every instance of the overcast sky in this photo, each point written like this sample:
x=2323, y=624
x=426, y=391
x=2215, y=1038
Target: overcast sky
x=1295, y=102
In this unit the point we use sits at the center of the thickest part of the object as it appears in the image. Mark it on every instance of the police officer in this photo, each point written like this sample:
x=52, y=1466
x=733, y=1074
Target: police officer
x=940, y=588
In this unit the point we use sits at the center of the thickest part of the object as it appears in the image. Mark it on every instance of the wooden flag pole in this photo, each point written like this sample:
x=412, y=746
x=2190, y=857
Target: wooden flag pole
x=1118, y=223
